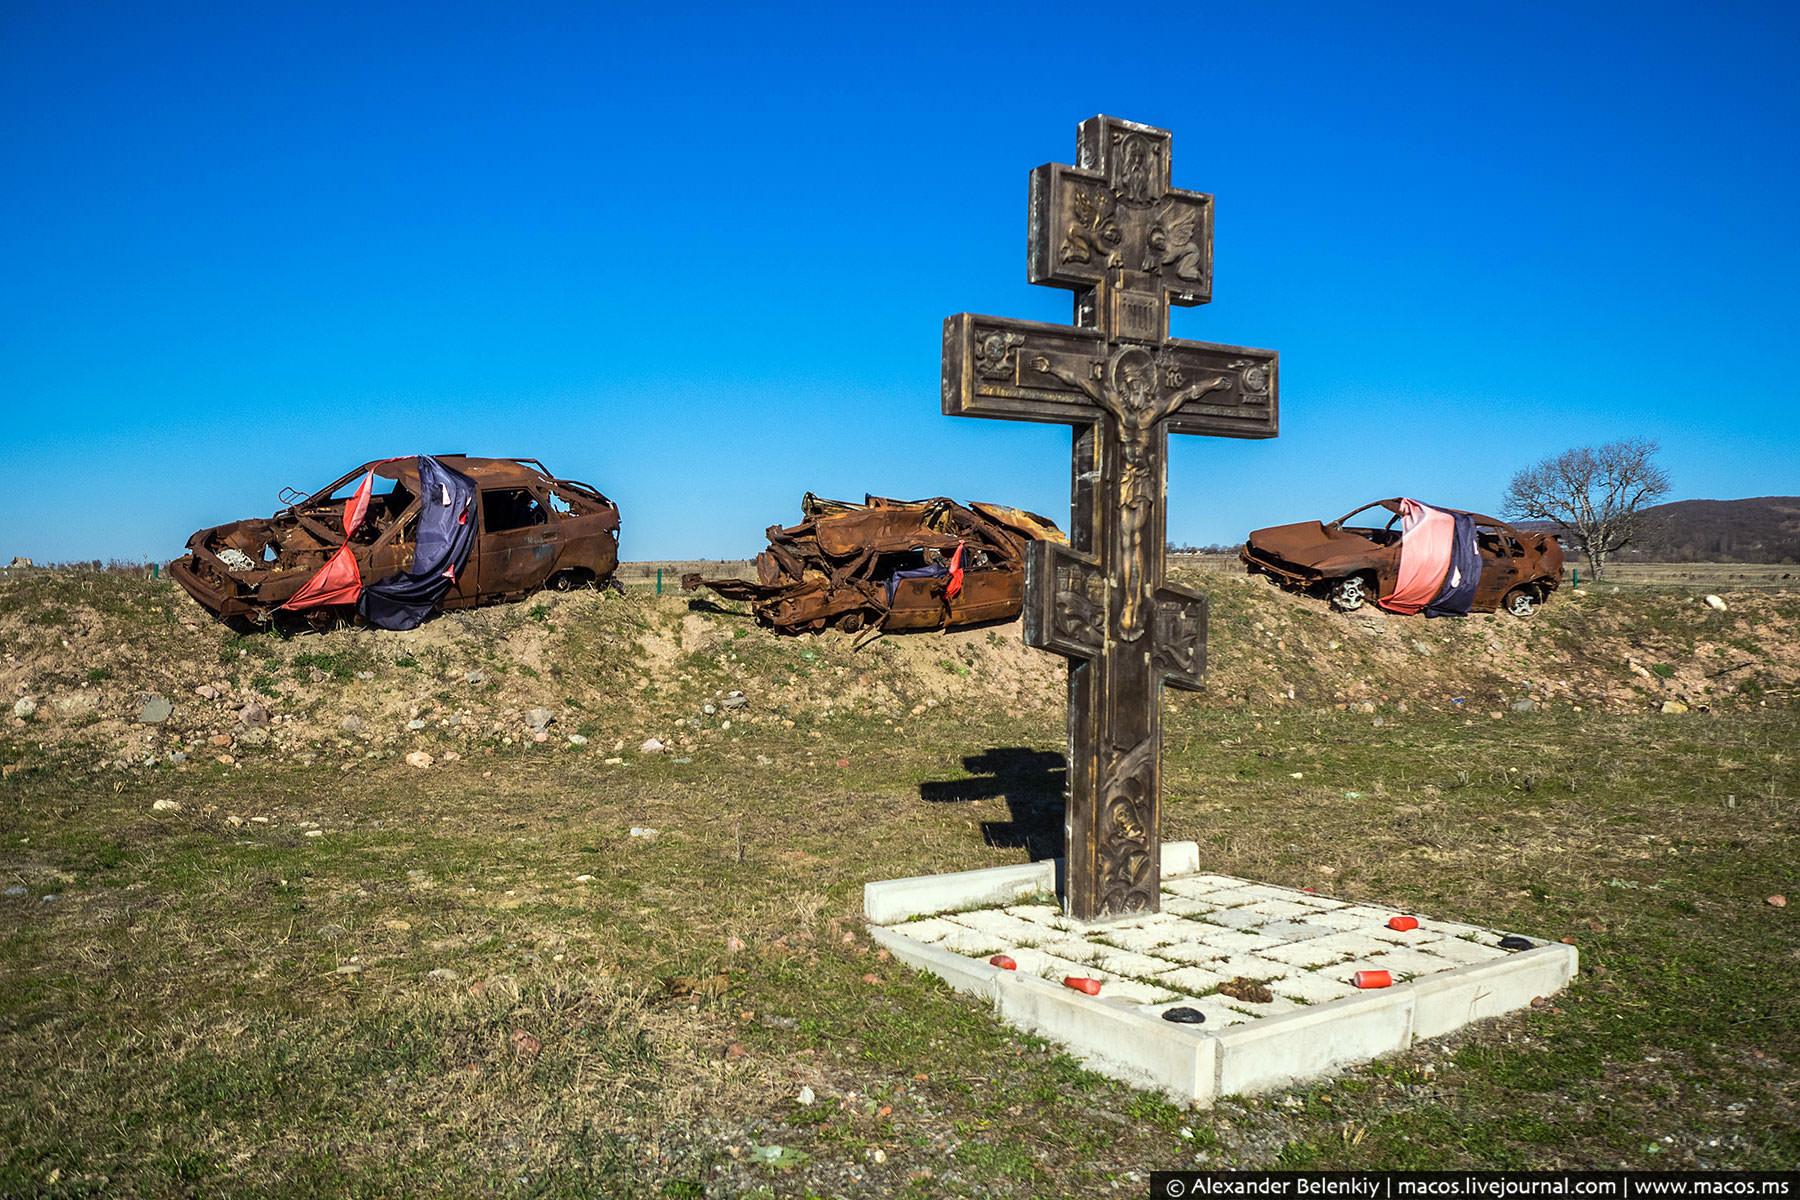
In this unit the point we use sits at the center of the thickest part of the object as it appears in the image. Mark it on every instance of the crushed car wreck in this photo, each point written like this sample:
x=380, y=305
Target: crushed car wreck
x=1439, y=561
x=400, y=537
x=890, y=565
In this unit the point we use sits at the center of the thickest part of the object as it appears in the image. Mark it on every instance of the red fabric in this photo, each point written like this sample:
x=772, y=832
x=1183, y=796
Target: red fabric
x=339, y=581
x=358, y=508
x=1424, y=557
x=956, y=574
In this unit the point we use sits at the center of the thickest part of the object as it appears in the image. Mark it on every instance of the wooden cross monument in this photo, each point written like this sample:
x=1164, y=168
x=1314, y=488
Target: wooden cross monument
x=1113, y=229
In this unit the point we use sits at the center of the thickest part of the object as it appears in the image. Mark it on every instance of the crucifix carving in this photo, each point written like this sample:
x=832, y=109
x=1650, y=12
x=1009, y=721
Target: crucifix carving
x=1129, y=245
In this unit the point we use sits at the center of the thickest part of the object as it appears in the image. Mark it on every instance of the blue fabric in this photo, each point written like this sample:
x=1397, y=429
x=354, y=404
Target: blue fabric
x=1454, y=599
x=934, y=571
x=446, y=536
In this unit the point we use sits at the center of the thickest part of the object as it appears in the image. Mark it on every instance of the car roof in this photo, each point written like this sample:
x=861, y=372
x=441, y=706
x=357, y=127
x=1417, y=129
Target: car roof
x=486, y=472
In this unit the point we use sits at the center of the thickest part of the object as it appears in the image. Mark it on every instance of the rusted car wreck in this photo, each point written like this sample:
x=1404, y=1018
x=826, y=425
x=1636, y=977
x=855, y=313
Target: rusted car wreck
x=1439, y=561
x=466, y=531
x=890, y=565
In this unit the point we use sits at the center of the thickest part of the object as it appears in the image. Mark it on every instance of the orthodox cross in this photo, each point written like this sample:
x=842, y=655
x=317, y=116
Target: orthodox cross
x=1112, y=229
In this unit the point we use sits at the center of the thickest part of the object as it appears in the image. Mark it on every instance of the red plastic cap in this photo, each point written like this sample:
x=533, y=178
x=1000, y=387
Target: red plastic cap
x=1372, y=979
x=1403, y=923
x=1004, y=962
x=1090, y=986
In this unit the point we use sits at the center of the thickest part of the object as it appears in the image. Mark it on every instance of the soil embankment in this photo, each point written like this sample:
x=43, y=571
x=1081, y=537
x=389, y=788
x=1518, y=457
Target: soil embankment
x=118, y=671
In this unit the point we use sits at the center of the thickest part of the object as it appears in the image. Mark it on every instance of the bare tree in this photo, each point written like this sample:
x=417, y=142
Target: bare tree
x=1595, y=496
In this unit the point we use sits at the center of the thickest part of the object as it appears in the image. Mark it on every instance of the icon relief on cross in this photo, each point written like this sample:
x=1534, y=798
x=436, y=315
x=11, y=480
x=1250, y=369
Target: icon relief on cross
x=1129, y=245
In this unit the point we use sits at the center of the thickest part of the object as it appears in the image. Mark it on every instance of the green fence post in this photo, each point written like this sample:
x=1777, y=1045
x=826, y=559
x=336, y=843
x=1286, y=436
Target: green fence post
x=659, y=581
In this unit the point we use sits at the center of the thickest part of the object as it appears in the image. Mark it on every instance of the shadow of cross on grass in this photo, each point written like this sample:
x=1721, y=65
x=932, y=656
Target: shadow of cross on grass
x=1032, y=782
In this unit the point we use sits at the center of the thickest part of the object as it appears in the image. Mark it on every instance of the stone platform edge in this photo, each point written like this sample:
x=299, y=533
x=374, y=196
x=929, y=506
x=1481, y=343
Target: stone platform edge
x=1188, y=1064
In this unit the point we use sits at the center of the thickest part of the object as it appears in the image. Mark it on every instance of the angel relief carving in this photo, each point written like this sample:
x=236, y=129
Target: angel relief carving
x=1170, y=241
x=1094, y=232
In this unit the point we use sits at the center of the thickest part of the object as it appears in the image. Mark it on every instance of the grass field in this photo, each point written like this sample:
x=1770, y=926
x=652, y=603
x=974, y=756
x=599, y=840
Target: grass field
x=358, y=978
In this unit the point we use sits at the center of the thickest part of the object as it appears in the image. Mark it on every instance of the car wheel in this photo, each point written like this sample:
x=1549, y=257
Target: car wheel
x=565, y=581
x=1521, y=602
x=1350, y=593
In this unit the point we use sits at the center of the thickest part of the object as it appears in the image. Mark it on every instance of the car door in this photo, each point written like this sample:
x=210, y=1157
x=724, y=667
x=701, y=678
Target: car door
x=518, y=543
x=392, y=553
x=1501, y=555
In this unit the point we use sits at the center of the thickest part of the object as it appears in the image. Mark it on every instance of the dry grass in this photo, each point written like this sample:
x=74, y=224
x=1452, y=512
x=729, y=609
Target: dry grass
x=214, y=1003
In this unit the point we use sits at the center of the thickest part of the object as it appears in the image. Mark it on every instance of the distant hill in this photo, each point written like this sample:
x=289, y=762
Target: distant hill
x=1764, y=529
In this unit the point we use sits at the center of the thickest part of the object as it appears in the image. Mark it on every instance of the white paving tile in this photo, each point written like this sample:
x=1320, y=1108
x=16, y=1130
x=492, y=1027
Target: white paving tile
x=1283, y=909
x=1045, y=966
x=1072, y=948
x=1401, y=961
x=1133, y=992
x=1038, y=913
x=972, y=943
x=1238, y=918
x=1344, y=919
x=1146, y=940
x=929, y=931
x=1227, y=940
x=1127, y=962
x=1192, y=981
x=1250, y=966
x=1295, y=931
x=1193, y=887
x=1459, y=951
x=1317, y=952
x=1311, y=987
x=1246, y=893
x=1007, y=928
x=1405, y=937
x=1184, y=906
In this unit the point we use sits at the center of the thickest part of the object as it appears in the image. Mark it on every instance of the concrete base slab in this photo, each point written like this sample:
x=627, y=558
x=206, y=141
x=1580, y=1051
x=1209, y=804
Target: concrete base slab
x=1215, y=933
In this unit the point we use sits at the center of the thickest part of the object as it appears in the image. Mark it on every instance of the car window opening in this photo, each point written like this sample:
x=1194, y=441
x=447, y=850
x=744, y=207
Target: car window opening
x=511, y=508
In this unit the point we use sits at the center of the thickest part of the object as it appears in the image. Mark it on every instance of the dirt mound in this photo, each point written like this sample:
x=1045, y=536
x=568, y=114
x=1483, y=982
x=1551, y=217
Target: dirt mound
x=121, y=671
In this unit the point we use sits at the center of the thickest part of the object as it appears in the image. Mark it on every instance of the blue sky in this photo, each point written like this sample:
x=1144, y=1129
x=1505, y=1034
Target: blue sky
x=699, y=256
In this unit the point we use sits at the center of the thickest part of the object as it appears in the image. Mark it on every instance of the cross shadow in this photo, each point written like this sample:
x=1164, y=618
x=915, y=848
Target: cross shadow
x=1030, y=781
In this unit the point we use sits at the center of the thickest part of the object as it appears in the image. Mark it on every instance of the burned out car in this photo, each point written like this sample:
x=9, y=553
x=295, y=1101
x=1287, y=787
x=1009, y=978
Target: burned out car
x=400, y=537
x=890, y=565
x=1442, y=562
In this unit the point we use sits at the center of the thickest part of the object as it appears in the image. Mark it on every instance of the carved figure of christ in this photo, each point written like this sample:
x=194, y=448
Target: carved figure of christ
x=1122, y=384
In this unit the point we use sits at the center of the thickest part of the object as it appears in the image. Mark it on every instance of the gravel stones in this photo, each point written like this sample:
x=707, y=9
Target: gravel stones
x=255, y=716
x=24, y=706
x=419, y=759
x=539, y=719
